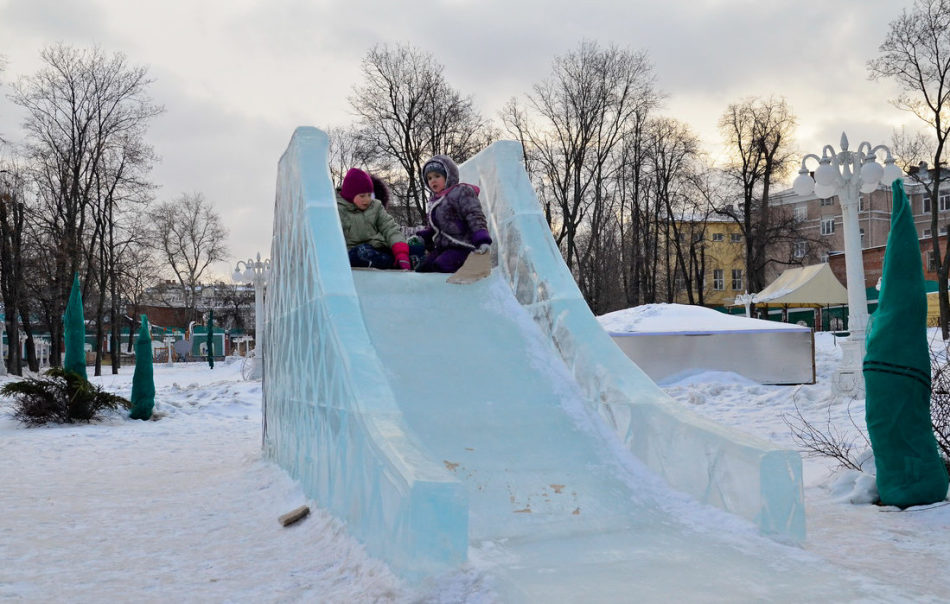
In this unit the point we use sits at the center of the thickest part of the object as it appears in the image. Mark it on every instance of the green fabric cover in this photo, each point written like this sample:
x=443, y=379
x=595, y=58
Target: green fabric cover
x=74, y=332
x=211, y=339
x=897, y=374
x=143, y=382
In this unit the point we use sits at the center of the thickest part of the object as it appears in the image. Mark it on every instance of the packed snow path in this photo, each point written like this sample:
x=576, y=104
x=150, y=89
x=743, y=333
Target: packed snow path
x=180, y=509
x=558, y=510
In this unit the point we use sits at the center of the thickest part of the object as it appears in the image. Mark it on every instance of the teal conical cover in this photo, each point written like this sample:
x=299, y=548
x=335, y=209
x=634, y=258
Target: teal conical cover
x=897, y=373
x=74, y=332
x=143, y=382
x=211, y=339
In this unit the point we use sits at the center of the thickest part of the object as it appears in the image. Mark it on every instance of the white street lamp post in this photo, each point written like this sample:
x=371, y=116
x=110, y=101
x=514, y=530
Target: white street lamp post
x=170, y=349
x=747, y=299
x=847, y=174
x=257, y=272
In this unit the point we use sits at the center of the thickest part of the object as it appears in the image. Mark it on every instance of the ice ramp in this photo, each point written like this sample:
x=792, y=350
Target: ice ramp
x=435, y=418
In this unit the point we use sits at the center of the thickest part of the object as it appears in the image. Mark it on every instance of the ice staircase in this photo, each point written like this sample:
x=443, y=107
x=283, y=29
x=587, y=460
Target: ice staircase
x=497, y=421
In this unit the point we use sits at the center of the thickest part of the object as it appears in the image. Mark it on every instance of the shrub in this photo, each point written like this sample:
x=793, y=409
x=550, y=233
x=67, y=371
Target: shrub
x=940, y=401
x=831, y=441
x=60, y=397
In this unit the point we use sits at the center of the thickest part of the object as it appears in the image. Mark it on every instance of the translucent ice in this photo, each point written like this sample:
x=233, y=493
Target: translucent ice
x=432, y=416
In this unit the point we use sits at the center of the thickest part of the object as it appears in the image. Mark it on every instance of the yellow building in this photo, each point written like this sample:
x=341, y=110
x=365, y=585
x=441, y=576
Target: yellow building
x=717, y=252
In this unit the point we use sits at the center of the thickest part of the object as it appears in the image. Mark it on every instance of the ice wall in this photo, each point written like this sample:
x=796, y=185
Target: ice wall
x=329, y=417
x=736, y=472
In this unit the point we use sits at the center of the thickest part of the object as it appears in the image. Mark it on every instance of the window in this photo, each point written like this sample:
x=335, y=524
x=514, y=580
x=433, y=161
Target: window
x=828, y=226
x=737, y=279
x=931, y=265
x=826, y=202
x=800, y=249
x=679, y=284
x=862, y=237
x=824, y=257
x=718, y=280
x=863, y=203
x=718, y=237
x=925, y=203
x=928, y=233
x=943, y=202
x=801, y=213
x=735, y=237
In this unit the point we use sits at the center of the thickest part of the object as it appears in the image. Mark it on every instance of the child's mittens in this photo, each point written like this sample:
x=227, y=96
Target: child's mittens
x=401, y=253
x=482, y=241
x=426, y=235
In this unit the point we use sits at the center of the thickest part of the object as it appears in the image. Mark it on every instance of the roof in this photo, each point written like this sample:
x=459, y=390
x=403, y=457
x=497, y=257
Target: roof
x=813, y=285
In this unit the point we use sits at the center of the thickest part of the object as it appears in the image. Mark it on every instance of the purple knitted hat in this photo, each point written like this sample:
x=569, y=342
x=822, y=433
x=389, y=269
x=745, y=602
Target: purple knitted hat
x=355, y=182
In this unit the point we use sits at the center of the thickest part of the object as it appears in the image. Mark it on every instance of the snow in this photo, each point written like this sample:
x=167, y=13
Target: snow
x=897, y=547
x=183, y=508
x=681, y=318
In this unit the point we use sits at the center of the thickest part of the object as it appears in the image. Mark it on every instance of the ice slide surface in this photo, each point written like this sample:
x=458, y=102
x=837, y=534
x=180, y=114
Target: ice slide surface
x=487, y=423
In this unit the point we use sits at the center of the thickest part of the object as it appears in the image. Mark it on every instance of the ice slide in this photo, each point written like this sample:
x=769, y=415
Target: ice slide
x=497, y=423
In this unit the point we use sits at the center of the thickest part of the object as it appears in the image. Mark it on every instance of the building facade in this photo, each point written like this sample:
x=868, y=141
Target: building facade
x=821, y=220
x=717, y=261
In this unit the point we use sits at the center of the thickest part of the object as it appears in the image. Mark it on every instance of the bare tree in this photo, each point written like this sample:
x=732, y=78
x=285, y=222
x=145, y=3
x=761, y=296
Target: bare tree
x=758, y=132
x=638, y=232
x=236, y=305
x=137, y=270
x=916, y=54
x=672, y=158
x=409, y=112
x=347, y=150
x=79, y=106
x=12, y=276
x=572, y=125
x=190, y=237
x=121, y=188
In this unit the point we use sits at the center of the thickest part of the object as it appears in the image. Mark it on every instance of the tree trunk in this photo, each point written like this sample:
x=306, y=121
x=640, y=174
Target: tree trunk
x=115, y=344
x=31, y=359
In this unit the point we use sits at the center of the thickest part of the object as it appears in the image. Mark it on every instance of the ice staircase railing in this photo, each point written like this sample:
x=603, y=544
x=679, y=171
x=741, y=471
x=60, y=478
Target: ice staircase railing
x=330, y=418
x=736, y=472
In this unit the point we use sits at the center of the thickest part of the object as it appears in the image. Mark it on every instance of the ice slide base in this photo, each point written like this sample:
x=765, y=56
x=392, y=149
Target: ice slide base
x=332, y=418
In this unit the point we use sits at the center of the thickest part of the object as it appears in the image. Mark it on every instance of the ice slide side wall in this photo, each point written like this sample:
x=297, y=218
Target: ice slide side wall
x=329, y=415
x=722, y=467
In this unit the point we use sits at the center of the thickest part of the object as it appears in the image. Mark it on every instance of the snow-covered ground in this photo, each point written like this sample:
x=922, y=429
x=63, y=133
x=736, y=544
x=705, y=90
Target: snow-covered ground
x=185, y=509
x=899, y=548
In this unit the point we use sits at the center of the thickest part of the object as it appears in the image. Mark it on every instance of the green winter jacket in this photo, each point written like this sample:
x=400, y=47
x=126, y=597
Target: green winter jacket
x=373, y=226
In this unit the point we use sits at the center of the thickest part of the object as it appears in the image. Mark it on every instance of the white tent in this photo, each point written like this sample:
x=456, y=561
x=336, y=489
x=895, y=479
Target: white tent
x=813, y=285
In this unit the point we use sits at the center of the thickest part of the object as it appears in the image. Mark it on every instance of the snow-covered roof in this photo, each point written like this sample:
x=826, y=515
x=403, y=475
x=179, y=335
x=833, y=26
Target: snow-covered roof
x=682, y=318
x=806, y=285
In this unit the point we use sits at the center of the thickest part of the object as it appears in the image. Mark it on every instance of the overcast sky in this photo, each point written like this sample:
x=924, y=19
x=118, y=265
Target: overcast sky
x=237, y=76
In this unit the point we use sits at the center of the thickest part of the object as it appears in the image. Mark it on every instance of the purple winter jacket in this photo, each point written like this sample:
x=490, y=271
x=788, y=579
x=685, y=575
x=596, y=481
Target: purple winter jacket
x=455, y=218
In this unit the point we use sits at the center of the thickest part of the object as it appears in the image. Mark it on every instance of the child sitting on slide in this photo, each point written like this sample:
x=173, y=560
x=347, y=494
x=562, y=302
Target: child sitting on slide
x=456, y=225
x=373, y=239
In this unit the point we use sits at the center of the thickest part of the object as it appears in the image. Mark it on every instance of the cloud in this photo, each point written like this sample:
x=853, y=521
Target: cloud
x=56, y=20
x=237, y=76
x=228, y=157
